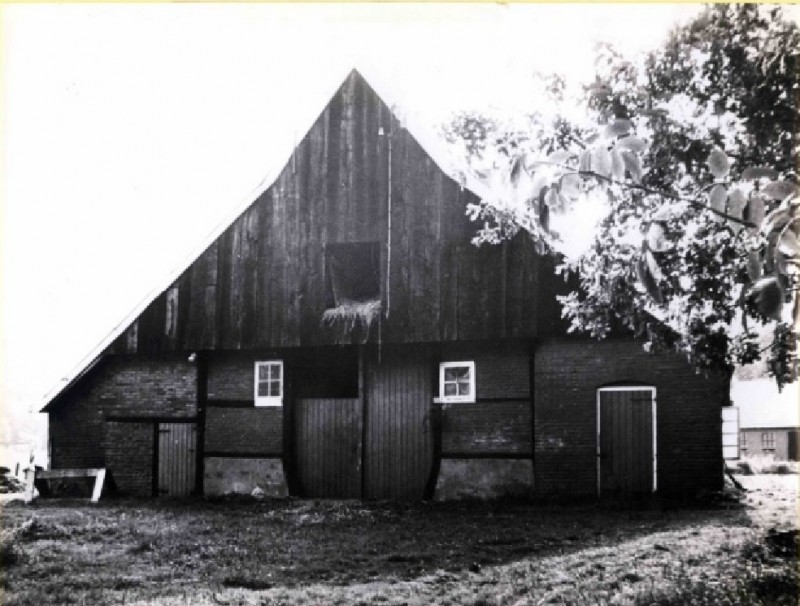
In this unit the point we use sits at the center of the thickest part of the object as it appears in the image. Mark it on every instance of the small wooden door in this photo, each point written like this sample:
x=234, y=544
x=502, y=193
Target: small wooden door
x=626, y=441
x=176, y=459
x=328, y=446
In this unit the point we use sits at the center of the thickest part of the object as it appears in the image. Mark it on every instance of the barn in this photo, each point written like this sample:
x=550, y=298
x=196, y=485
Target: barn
x=343, y=338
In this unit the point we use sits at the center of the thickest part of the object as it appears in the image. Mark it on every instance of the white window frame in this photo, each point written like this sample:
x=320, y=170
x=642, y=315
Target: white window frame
x=469, y=398
x=271, y=400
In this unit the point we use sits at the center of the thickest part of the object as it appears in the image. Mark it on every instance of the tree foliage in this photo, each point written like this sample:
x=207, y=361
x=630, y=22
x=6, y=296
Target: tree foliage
x=692, y=153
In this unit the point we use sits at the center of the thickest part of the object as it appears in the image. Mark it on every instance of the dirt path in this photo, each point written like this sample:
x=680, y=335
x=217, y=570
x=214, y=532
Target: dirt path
x=301, y=552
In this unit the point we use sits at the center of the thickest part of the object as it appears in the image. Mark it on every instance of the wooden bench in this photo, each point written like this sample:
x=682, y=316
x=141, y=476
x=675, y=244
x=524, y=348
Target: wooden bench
x=39, y=478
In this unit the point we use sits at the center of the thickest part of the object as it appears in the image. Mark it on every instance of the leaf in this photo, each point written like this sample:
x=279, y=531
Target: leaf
x=541, y=179
x=633, y=144
x=717, y=199
x=775, y=222
x=718, y=163
x=571, y=185
x=599, y=89
x=768, y=297
x=663, y=214
x=736, y=202
x=617, y=165
x=657, y=238
x=633, y=166
x=759, y=172
x=753, y=265
x=654, y=111
x=601, y=162
x=652, y=266
x=585, y=161
x=517, y=168
x=646, y=279
x=754, y=212
x=618, y=128
x=553, y=200
x=781, y=263
x=788, y=244
x=544, y=217
x=559, y=156
x=779, y=190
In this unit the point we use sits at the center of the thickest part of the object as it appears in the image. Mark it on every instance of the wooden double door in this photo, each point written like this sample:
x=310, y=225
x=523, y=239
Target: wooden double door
x=626, y=441
x=375, y=446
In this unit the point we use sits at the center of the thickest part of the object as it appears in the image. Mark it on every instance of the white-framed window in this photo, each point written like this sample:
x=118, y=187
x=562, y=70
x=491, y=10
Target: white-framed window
x=268, y=384
x=457, y=381
x=768, y=441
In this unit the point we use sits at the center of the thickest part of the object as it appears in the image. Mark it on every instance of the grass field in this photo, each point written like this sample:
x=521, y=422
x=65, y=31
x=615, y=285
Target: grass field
x=306, y=552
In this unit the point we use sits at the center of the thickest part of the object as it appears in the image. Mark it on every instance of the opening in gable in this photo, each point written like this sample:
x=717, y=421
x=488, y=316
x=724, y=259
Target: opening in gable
x=352, y=290
x=353, y=273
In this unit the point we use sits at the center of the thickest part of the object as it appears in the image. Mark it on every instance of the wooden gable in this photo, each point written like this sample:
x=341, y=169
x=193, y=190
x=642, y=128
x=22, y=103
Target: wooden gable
x=358, y=176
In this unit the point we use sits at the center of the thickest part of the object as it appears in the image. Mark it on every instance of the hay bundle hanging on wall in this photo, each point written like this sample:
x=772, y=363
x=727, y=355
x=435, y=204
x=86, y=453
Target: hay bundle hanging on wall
x=351, y=319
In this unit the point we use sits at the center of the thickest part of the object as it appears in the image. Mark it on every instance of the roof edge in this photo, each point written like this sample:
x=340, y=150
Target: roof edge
x=431, y=143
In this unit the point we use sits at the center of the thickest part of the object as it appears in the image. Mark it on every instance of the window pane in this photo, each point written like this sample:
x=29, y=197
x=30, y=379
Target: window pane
x=275, y=372
x=454, y=373
x=274, y=388
x=263, y=389
x=263, y=372
x=463, y=388
x=450, y=389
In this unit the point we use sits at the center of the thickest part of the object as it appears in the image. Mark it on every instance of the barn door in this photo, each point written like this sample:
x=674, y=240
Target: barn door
x=398, y=451
x=626, y=441
x=176, y=459
x=328, y=447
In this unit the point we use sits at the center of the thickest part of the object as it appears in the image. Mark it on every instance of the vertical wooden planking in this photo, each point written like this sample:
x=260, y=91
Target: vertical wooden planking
x=398, y=442
x=176, y=459
x=328, y=447
x=626, y=441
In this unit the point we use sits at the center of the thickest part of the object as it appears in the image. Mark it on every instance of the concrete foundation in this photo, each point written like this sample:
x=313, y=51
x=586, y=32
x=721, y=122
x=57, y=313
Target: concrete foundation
x=483, y=479
x=241, y=476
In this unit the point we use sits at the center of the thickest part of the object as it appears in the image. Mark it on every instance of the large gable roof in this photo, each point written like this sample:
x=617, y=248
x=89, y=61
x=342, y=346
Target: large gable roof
x=431, y=142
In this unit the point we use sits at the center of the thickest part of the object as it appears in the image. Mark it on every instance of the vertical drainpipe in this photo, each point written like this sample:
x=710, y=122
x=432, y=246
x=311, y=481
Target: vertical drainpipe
x=202, y=398
x=389, y=223
x=532, y=378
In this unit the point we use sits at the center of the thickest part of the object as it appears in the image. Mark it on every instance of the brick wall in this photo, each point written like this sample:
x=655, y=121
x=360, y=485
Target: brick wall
x=230, y=377
x=566, y=376
x=129, y=449
x=502, y=370
x=490, y=425
x=118, y=386
x=244, y=430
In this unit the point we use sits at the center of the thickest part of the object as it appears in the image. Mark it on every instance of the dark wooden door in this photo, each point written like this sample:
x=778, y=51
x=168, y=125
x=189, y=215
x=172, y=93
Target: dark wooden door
x=398, y=452
x=626, y=441
x=176, y=459
x=328, y=447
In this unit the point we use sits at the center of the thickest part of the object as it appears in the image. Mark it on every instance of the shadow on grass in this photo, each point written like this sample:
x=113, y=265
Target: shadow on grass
x=166, y=546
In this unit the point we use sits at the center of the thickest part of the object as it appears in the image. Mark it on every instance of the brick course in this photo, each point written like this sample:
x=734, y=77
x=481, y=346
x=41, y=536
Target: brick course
x=129, y=449
x=244, y=430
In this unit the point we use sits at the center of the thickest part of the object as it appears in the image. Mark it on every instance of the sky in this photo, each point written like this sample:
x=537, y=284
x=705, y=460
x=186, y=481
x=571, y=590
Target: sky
x=130, y=131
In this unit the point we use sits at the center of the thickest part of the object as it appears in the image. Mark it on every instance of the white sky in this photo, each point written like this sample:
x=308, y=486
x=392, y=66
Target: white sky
x=129, y=131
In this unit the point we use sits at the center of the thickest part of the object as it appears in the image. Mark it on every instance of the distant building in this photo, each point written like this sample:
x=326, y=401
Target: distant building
x=768, y=422
x=780, y=442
